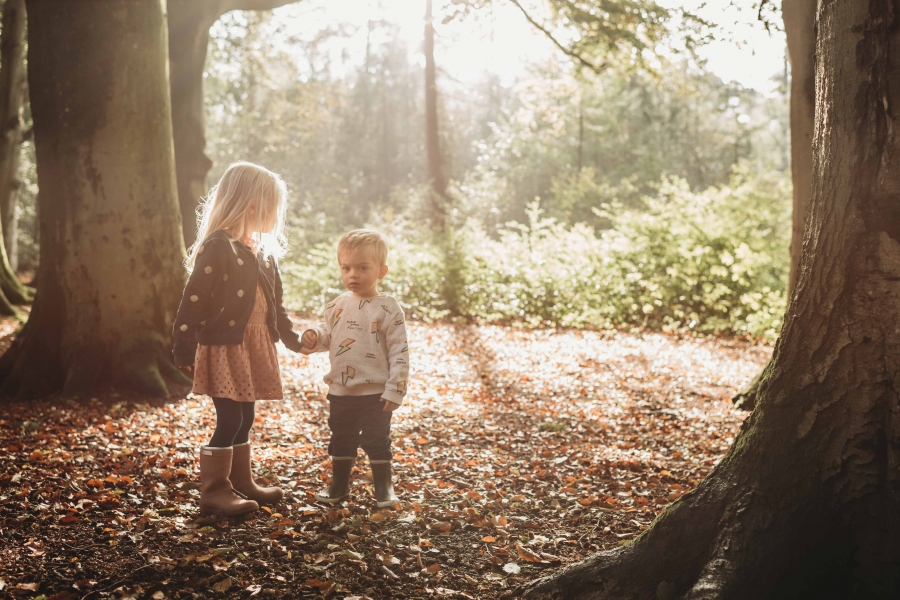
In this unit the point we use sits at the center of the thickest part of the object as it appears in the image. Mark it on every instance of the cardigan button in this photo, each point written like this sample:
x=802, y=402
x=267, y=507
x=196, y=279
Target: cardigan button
x=200, y=249
x=240, y=293
x=194, y=298
x=231, y=323
x=183, y=328
x=203, y=323
x=207, y=270
x=225, y=277
x=268, y=265
x=240, y=261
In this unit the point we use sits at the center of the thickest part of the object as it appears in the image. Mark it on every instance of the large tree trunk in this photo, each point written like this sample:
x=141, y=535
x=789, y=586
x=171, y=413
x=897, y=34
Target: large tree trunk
x=111, y=269
x=12, y=96
x=189, y=23
x=800, y=29
x=806, y=504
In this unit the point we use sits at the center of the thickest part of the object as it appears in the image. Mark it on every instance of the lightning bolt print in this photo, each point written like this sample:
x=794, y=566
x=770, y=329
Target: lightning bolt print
x=375, y=331
x=348, y=374
x=337, y=315
x=345, y=346
x=363, y=302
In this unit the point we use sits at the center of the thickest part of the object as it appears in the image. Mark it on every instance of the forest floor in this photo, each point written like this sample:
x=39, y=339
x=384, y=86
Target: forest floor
x=517, y=451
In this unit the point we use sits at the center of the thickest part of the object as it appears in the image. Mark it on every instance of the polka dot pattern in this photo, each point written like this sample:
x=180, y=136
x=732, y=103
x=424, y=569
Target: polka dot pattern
x=243, y=372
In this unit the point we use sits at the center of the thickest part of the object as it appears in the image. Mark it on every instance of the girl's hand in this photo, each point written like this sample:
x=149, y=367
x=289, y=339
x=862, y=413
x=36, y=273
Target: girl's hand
x=389, y=406
x=310, y=339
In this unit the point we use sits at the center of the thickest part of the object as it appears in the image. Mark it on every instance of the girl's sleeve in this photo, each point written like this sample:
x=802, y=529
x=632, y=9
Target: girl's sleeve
x=208, y=269
x=282, y=321
x=398, y=358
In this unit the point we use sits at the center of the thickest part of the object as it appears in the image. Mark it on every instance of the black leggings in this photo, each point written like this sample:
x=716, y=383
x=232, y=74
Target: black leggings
x=233, y=422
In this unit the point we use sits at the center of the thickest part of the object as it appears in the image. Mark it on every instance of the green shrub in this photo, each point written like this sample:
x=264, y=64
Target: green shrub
x=714, y=262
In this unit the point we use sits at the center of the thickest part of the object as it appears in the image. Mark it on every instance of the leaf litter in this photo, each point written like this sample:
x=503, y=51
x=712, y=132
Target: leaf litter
x=517, y=451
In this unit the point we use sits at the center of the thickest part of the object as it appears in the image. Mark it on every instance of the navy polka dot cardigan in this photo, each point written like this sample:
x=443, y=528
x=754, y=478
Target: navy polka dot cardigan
x=219, y=297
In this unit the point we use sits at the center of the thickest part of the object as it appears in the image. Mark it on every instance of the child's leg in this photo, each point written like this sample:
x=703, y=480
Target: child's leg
x=242, y=464
x=248, y=414
x=375, y=439
x=228, y=421
x=343, y=420
x=217, y=495
x=375, y=425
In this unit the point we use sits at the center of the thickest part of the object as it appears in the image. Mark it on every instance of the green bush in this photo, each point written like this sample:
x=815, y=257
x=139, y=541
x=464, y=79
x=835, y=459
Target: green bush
x=714, y=262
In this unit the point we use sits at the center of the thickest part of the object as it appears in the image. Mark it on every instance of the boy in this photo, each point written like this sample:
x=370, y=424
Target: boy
x=364, y=333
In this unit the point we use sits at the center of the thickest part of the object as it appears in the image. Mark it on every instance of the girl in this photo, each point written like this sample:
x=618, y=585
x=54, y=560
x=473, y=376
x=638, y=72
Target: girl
x=230, y=317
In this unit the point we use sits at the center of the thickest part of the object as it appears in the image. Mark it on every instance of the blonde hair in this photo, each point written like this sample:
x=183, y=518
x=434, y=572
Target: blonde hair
x=244, y=186
x=364, y=240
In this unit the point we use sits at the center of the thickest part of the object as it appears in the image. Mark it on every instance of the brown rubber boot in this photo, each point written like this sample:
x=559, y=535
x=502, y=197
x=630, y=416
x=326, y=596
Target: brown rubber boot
x=384, y=489
x=341, y=467
x=217, y=497
x=242, y=478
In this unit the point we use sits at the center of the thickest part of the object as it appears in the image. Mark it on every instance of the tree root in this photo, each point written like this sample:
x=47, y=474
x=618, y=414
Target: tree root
x=35, y=366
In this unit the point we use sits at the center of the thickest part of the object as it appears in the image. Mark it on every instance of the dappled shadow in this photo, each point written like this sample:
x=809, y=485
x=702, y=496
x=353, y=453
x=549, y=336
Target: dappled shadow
x=516, y=451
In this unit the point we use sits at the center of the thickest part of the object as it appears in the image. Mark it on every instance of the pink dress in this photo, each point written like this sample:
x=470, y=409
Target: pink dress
x=242, y=372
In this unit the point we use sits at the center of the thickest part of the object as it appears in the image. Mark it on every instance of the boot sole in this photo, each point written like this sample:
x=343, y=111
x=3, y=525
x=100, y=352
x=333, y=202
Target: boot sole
x=387, y=503
x=326, y=500
x=217, y=512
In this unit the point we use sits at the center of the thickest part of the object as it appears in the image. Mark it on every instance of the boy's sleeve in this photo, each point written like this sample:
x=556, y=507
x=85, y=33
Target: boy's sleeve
x=283, y=322
x=323, y=329
x=398, y=358
x=208, y=270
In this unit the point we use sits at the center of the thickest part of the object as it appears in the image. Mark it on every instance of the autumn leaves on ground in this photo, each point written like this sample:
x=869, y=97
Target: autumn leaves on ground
x=518, y=451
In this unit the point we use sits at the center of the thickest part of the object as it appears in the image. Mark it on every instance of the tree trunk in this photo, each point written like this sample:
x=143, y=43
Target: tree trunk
x=806, y=504
x=800, y=28
x=436, y=177
x=189, y=23
x=12, y=95
x=111, y=269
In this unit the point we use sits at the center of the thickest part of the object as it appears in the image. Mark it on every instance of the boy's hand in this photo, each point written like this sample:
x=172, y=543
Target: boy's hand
x=309, y=340
x=186, y=369
x=389, y=406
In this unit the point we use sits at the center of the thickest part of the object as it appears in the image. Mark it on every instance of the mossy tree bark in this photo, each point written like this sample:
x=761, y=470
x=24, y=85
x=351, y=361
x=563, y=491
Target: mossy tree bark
x=189, y=23
x=110, y=270
x=12, y=94
x=800, y=29
x=806, y=503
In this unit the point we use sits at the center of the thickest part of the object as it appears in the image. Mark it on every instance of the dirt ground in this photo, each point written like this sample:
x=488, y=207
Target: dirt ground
x=516, y=452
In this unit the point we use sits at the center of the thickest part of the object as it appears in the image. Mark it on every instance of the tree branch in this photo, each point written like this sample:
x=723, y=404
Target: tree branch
x=568, y=51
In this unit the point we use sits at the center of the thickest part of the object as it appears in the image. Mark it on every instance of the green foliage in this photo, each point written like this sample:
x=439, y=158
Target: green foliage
x=715, y=261
x=710, y=262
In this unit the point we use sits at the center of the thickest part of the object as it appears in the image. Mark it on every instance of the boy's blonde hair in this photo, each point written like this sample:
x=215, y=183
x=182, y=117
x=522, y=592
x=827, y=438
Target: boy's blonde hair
x=244, y=186
x=366, y=240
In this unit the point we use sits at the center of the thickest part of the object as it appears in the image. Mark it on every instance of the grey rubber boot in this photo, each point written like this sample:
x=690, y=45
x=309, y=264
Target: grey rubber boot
x=341, y=467
x=384, y=489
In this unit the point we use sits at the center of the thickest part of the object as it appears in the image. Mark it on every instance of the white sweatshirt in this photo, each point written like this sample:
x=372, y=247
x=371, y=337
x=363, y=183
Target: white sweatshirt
x=366, y=341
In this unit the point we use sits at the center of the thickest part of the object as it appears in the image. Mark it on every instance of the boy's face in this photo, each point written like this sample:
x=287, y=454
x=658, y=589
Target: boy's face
x=361, y=272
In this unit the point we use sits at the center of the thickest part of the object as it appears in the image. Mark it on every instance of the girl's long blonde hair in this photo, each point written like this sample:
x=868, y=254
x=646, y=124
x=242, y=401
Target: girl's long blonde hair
x=243, y=187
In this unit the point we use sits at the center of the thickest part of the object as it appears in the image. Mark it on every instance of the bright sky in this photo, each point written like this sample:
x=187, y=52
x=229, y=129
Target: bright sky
x=503, y=42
